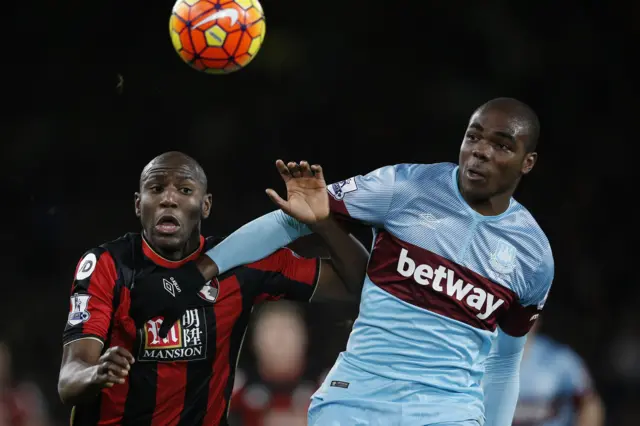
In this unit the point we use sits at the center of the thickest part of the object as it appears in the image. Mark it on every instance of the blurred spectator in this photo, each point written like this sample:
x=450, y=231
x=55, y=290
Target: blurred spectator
x=556, y=388
x=276, y=391
x=21, y=404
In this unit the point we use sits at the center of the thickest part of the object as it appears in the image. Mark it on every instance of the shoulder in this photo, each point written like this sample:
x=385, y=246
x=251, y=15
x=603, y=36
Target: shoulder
x=424, y=174
x=277, y=259
x=123, y=247
x=534, y=241
x=422, y=180
x=563, y=356
x=411, y=171
x=109, y=255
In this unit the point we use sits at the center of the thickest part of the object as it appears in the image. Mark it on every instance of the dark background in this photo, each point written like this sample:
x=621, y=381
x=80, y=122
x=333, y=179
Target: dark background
x=351, y=85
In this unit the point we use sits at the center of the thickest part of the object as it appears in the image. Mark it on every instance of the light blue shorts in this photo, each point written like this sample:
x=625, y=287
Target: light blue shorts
x=350, y=396
x=382, y=414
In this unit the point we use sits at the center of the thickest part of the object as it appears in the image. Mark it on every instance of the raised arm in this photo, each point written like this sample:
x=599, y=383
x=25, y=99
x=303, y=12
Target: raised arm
x=364, y=199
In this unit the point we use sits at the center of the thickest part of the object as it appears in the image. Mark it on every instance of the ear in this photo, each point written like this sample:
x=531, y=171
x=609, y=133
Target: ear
x=136, y=203
x=528, y=163
x=206, y=206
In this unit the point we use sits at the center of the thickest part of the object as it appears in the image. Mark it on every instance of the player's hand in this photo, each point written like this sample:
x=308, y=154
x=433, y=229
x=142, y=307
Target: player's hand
x=307, y=198
x=113, y=367
x=165, y=293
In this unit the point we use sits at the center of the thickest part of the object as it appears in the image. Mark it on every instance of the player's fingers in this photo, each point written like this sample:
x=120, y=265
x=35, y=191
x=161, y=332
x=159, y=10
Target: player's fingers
x=116, y=370
x=125, y=353
x=305, y=169
x=317, y=171
x=294, y=169
x=110, y=379
x=277, y=200
x=283, y=170
x=108, y=367
x=291, y=166
x=117, y=359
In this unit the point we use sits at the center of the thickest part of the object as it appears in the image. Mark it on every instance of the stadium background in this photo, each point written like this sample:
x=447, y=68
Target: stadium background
x=351, y=85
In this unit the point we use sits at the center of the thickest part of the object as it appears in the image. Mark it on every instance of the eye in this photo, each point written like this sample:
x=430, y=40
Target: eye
x=186, y=191
x=504, y=147
x=473, y=137
x=155, y=189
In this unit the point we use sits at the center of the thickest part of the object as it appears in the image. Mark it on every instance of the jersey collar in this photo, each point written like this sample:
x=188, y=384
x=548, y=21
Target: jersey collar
x=477, y=216
x=166, y=263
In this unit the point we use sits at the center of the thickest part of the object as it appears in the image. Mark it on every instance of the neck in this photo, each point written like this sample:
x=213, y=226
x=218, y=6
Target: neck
x=190, y=246
x=492, y=206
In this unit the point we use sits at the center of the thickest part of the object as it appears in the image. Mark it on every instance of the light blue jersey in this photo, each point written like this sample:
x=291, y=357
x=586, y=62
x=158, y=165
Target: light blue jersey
x=553, y=382
x=441, y=278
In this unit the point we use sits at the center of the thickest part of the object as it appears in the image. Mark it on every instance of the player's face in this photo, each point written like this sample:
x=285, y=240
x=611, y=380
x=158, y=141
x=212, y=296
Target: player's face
x=493, y=155
x=170, y=205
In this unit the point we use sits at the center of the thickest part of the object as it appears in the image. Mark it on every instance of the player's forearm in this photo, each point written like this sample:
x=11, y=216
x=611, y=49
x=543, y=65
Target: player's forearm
x=348, y=256
x=501, y=391
x=501, y=381
x=76, y=384
x=252, y=242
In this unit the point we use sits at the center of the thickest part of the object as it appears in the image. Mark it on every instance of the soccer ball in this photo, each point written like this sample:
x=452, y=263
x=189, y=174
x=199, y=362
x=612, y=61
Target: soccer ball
x=217, y=36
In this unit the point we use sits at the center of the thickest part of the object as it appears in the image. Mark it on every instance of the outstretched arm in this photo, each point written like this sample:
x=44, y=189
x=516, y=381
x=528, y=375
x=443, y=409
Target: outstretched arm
x=307, y=203
x=363, y=198
x=251, y=242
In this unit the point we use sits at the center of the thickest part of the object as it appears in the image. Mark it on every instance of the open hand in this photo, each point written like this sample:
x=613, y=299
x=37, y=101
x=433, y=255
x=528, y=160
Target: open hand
x=307, y=198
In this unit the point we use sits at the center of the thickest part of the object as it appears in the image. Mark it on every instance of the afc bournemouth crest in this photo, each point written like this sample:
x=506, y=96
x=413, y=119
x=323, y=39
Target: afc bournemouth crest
x=210, y=291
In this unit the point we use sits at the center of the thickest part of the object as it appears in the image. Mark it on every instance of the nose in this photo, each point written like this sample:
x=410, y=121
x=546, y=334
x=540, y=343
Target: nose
x=169, y=199
x=482, y=150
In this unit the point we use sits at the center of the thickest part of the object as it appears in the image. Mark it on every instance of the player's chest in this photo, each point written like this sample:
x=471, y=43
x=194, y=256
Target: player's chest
x=486, y=247
x=195, y=336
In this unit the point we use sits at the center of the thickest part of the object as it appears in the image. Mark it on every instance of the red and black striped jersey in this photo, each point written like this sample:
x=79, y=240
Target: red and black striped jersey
x=187, y=377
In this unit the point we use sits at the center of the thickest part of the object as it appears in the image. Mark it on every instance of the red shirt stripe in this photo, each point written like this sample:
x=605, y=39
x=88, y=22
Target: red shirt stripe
x=227, y=314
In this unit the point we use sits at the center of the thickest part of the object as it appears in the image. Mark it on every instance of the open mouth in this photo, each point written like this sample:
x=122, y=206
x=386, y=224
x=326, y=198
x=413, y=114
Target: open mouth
x=167, y=224
x=474, y=174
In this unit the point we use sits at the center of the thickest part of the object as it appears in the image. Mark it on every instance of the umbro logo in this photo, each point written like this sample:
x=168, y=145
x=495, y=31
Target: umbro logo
x=429, y=220
x=171, y=285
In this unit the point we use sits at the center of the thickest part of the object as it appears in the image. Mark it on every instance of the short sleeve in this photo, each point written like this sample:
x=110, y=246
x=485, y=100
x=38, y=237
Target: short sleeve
x=364, y=198
x=286, y=275
x=92, y=293
x=524, y=312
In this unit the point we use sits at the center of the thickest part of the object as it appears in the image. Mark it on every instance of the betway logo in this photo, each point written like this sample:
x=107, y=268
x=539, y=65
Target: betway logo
x=443, y=279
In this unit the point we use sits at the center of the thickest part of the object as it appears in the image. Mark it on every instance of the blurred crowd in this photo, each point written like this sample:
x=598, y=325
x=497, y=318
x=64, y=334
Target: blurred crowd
x=352, y=86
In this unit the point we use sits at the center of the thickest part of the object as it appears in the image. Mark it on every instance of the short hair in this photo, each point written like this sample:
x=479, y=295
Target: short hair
x=178, y=157
x=521, y=112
